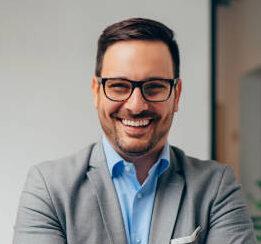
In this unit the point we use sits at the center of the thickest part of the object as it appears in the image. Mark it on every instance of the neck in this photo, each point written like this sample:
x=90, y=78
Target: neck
x=143, y=163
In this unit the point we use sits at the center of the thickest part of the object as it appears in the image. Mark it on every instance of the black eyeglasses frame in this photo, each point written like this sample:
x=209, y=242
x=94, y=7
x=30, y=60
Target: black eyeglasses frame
x=139, y=84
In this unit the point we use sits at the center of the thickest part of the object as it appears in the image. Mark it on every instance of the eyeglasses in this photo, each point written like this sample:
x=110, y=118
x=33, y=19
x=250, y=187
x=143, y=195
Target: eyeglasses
x=152, y=90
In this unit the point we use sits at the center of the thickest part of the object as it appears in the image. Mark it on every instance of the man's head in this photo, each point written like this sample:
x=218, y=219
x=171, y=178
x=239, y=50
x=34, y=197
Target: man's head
x=136, y=120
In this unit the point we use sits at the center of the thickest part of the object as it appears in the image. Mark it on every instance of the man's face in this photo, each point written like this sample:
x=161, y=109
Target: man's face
x=124, y=122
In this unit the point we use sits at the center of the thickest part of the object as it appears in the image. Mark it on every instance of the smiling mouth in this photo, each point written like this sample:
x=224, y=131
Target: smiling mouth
x=136, y=123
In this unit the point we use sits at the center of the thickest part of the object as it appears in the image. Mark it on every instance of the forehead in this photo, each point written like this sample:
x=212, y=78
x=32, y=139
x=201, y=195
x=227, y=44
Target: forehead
x=137, y=59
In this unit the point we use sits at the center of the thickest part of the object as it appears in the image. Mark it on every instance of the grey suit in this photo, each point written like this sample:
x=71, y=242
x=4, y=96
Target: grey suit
x=73, y=200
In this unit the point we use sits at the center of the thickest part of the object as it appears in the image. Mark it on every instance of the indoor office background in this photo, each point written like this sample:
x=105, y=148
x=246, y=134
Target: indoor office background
x=238, y=96
x=47, y=57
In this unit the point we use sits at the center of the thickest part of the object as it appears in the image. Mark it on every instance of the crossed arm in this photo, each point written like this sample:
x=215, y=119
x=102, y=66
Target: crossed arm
x=38, y=220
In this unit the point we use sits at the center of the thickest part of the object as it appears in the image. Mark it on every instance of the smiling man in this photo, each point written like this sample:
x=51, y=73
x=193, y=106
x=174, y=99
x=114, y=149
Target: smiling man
x=137, y=121
x=132, y=186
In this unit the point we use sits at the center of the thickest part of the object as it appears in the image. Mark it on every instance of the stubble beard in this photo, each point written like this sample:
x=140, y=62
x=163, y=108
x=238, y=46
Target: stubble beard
x=119, y=143
x=152, y=142
x=135, y=150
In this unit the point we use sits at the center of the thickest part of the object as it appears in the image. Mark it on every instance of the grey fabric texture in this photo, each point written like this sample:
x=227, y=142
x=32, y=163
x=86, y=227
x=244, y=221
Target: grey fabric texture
x=73, y=200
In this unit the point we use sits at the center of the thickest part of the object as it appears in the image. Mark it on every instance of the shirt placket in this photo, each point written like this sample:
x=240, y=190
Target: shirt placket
x=136, y=218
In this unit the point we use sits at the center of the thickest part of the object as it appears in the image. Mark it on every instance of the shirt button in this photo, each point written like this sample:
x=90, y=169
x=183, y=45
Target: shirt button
x=128, y=168
x=139, y=195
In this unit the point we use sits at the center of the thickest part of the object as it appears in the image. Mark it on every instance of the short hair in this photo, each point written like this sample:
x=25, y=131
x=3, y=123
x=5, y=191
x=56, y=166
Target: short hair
x=137, y=29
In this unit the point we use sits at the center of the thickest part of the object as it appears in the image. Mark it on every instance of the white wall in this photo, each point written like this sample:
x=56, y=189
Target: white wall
x=47, y=53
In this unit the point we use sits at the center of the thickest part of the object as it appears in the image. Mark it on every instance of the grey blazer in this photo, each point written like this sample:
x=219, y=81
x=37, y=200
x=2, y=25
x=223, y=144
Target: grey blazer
x=73, y=201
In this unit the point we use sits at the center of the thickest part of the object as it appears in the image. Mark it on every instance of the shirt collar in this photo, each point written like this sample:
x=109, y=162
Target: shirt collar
x=164, y=159
x=116, y=162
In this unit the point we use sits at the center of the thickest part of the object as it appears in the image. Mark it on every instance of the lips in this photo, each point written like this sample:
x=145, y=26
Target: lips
x=143, y=119
x=135, y=128
x=136, y=123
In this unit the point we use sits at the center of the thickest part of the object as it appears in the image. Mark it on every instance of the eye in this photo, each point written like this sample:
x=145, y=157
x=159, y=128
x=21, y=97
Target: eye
x=118, y=85
x=156, y=85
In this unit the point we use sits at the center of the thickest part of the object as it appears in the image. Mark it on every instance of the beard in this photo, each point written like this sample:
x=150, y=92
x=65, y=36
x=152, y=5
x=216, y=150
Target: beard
x=129, y=146
x=135, y=150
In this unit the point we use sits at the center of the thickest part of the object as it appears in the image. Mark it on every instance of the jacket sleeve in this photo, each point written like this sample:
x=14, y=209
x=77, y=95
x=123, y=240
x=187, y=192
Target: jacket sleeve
x=229, y=219
x=37, y=220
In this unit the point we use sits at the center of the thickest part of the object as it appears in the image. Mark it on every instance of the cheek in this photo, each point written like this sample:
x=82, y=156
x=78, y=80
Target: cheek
x=165, y=110
x=167, y=114
x=107, y=108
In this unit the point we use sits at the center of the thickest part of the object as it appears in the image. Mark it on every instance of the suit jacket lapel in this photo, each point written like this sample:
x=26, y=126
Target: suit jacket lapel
x=167, y=201
x=107, y=197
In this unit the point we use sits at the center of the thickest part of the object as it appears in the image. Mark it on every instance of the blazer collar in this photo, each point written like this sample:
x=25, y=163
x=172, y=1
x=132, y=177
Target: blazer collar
x=167, y=201
x=100, y=179
x=166, y=206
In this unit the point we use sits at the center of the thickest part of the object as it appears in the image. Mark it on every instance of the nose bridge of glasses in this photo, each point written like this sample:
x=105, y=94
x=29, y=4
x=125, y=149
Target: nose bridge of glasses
x=137, y=84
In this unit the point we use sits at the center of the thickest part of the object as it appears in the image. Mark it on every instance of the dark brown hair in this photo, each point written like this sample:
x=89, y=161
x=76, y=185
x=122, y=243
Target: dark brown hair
x=137, y=29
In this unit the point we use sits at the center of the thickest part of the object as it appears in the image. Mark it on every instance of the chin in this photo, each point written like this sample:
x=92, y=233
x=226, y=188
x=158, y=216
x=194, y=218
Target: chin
x=135, y=148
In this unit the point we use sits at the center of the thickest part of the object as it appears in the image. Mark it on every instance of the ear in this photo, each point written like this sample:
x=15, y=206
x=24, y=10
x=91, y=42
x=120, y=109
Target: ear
x=95, y=90
x=177, y=95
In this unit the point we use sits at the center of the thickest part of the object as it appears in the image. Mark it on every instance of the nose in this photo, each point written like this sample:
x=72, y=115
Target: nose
x=136, y=103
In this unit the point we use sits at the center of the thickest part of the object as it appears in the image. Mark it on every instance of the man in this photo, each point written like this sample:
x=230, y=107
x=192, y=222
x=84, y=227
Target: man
x=133, y=187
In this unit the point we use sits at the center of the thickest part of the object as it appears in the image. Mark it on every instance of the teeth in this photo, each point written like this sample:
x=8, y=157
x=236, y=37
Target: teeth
x=136, y=123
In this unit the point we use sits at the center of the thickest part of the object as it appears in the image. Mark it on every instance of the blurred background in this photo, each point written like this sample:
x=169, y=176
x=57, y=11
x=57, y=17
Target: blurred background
x=238, y=96
x=47, y=58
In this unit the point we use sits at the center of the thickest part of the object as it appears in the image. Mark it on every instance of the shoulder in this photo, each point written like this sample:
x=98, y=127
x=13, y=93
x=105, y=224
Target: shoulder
x=191, y=165
x=203, y=174
x=62, y=173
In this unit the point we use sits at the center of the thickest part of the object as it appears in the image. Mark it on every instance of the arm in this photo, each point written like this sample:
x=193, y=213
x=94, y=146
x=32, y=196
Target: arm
x=229, y=219
x=37, y=220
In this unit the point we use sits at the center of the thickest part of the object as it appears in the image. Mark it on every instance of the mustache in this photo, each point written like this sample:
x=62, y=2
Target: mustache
x=143, y=115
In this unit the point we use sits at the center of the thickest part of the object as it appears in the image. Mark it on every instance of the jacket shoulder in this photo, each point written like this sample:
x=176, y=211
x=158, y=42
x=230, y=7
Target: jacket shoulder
x=190, y=166
x=64, y=172
x=204, y=178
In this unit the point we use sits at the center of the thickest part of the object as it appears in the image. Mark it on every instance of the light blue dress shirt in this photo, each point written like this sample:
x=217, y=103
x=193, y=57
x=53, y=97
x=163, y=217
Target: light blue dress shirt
x=136, y=200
